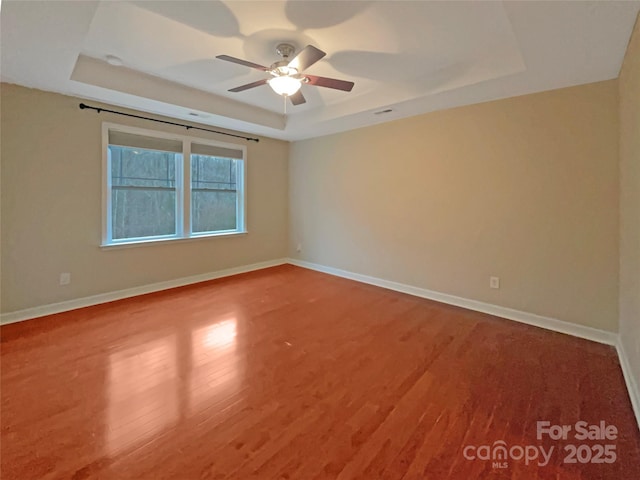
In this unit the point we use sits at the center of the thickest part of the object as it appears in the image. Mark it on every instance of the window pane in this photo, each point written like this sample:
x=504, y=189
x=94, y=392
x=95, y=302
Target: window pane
x=143, y=213
x=214, y=193
x=143, y=192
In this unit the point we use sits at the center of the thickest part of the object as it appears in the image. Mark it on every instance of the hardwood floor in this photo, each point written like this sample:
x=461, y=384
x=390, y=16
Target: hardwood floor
x=287, y=373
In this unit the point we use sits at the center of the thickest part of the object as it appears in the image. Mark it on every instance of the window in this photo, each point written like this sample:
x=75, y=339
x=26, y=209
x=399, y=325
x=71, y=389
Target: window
x=214, y=191
x=161, y=187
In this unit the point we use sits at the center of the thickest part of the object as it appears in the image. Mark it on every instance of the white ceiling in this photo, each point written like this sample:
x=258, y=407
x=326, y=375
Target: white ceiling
x=409, y=56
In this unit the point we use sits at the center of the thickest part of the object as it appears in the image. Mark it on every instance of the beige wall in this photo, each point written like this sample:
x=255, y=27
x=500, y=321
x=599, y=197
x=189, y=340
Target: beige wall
x=524, y=188
x=630, y=203
x=51, y=207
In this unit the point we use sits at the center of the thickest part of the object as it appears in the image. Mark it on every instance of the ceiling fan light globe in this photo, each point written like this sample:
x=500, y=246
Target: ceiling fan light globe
x=285, y=85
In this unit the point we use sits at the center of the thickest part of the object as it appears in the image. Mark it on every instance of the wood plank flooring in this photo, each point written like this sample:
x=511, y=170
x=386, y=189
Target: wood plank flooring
x=287, y=373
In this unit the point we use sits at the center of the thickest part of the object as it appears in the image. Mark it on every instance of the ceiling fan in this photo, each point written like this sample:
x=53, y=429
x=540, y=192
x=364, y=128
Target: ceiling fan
x=286, y=75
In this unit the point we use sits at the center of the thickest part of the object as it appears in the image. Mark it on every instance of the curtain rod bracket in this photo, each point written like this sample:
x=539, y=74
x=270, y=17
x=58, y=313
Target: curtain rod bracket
x=188, y=127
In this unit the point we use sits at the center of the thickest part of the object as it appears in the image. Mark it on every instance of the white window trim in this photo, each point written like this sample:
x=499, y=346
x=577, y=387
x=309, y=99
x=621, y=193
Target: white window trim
x=183, y=176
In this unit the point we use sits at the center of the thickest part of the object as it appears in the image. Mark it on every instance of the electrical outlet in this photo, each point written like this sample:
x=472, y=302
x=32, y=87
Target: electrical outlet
x=299, y=247
x=65, y=278
x=494, y=282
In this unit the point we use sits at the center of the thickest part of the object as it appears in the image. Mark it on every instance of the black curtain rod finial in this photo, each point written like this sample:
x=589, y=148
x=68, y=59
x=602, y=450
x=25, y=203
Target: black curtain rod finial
x=188, y=127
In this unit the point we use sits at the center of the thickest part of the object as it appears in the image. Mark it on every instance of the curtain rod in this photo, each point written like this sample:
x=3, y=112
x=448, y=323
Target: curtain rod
x=100, y=109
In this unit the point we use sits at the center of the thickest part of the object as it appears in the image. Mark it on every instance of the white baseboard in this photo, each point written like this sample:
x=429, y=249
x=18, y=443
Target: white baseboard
x=632, y=387
x=581, y=331
x=589, y=333
x=52, y=308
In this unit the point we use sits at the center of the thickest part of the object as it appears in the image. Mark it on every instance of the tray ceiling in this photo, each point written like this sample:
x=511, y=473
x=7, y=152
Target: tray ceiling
x=407, y=57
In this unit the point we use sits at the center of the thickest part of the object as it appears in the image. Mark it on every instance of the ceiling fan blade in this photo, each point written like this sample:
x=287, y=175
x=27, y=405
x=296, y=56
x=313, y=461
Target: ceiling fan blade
x=297, y=98
x=241, y=88
x=330, y=83
x=307, y=57
x=239, y=61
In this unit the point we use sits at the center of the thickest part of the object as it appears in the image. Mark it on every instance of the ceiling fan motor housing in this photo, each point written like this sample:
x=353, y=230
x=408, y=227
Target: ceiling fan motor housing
x=281, y=68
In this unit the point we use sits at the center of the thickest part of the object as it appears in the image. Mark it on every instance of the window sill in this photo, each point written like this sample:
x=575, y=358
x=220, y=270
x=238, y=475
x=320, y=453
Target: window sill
x=156, y=241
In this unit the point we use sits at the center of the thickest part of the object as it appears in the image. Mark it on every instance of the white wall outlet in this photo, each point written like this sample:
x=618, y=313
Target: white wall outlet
x=299, y=247
x=65, y=278
x=494, y=282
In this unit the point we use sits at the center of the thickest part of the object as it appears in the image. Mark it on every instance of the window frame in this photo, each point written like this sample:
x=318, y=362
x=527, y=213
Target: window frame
x=183, y=189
